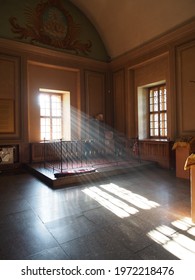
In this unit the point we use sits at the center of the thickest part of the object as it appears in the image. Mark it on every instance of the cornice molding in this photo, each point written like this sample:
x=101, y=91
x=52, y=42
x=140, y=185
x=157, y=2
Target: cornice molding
x=156, y=47
x=32, y=52
x=151, y=50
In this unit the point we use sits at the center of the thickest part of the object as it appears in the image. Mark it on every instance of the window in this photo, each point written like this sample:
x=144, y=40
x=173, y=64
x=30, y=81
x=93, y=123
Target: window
x=158, y=112
x=50, y=115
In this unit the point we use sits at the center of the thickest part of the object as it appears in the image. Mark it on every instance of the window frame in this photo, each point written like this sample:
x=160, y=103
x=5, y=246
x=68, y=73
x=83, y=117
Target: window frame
x=51, y=117
x=158, y=112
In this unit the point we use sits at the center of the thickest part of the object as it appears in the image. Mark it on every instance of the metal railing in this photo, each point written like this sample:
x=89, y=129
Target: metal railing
x=62, y=155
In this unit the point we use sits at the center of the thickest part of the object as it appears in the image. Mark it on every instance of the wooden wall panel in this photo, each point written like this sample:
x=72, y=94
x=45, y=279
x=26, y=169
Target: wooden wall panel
x=119, y=101
x=95, y=93
x=157, y=151
x=10, y=113
x=50, y=76
x=186, y=89
x=6, y=116
x=7, y=74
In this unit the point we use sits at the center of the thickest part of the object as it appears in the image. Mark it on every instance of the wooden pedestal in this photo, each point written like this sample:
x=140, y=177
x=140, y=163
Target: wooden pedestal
x=192, y=179
x=182, y=153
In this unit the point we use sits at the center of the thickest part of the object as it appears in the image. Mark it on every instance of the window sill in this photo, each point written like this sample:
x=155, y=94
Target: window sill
x=154, y=140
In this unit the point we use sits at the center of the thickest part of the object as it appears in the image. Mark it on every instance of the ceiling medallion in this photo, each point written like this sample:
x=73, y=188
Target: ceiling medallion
x=51, y=24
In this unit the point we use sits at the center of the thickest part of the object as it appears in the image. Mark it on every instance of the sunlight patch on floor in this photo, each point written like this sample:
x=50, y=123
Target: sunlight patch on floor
x=106, y=203
x=118, y=200
x=135, y=199
x=179, y=244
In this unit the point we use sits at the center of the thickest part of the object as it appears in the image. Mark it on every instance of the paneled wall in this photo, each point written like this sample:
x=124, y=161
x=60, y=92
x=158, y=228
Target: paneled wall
x=50, y=76
x=95, y=85
x=24, y=69
x=147, y=75
x=119, y=101
x=167, y=59
x=10, y=97
x=157, y=151
x=186, y=88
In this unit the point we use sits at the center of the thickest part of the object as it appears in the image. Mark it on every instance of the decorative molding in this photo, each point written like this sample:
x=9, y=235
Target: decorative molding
x=51, y=24
x=41, y=54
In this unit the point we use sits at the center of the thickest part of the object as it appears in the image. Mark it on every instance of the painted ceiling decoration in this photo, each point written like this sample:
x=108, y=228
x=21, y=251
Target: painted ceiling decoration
x=50, y=23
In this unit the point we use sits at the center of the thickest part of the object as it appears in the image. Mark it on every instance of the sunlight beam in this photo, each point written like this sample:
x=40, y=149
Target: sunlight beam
x=107, y=204
x=115, y=201
x=135, y=199
x=178, y=244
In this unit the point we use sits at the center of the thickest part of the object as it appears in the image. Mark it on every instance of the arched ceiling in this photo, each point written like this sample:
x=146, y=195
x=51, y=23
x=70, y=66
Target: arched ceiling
x=126, y=24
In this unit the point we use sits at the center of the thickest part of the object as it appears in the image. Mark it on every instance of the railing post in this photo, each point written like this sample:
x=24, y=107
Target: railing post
x=61, y=157
x=44, y=152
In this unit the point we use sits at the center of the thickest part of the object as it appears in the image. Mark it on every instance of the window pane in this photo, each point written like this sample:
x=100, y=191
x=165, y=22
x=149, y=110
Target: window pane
x=158, y=114
x=156, y=94
x=163, y=132
x=45, y=112
x=45, y=128
x=51, y=116
x=56, y=105
x=153, y=101
x=56, y=128
x=163, y=124
x=156, y=132
x=163, y=99
x=163, y=106
x=151, y=108
x=151, y=132
x=44, y=105
x=56, y=98
x=156, y=117
x=156, y=124
x=163, y=117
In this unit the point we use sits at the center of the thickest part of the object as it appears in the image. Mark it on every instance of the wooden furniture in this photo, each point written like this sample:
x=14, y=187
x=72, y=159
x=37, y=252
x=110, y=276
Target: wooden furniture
x=192, y=177
x=159, y=151
x=183, y=149
x=181, y=155
x=190, y=166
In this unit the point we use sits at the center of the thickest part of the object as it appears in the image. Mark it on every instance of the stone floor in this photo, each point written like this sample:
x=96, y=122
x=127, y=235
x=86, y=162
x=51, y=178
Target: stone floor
x=142, y=215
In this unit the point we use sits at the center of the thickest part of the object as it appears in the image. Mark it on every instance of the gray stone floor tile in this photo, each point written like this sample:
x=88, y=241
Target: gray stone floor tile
x=55, y=253
x=156, y=252
x=99, y=245
x=65, y=232
x=37, y=222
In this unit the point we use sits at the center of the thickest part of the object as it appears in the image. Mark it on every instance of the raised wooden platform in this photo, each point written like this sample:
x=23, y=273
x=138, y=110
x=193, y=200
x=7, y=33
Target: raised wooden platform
x=101, y=171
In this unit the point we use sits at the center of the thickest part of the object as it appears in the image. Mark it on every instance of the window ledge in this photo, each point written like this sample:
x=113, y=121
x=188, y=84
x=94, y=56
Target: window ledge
x=154, y=140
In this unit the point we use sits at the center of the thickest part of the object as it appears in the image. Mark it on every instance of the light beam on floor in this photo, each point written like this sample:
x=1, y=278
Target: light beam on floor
x=106, y=203
x=118, y=200
x=135, y=199
x=178, y=244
